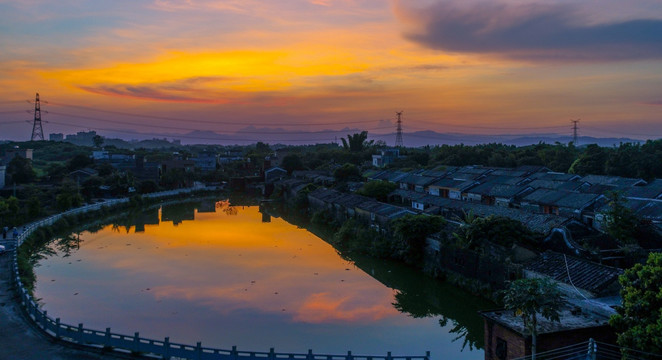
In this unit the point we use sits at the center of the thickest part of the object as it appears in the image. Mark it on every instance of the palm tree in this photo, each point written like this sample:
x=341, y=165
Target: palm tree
x=530, y=297
x=356, y=142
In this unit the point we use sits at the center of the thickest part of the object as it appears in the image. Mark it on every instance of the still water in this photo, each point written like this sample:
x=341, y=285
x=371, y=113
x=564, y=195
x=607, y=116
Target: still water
x=230, y=275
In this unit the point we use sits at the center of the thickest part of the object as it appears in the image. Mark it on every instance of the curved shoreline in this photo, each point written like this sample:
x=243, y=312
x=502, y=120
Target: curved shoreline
x=134, y=344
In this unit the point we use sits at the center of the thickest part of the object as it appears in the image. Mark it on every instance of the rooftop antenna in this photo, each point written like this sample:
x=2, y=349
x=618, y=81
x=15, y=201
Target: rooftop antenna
x=37, y=130
x=398, y=135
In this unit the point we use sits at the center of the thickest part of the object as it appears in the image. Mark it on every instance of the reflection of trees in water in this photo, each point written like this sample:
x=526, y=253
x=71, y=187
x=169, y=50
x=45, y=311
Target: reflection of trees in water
x=420, y=296
x=417, y=306
x=225, y=207
x=68, y=244
x=222, y=204
x=232, y=210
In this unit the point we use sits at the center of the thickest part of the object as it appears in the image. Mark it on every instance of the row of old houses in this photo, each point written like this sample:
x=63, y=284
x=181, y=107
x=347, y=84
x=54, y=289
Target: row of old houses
x=528, y=189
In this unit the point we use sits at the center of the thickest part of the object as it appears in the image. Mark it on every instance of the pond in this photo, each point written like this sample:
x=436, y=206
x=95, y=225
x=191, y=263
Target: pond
x=231, y=275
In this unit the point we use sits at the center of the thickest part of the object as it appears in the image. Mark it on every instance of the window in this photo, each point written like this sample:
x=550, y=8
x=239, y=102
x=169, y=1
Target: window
x=501, y=350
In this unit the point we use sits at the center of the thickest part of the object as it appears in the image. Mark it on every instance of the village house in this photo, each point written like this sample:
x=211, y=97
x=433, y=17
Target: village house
x=415, y=182
x=83, y=174
x=506, y=337
x=206, y=161
x=385, y=157
x=652, y=190
x=451, y=188
x=558, y=202
x=273, y=174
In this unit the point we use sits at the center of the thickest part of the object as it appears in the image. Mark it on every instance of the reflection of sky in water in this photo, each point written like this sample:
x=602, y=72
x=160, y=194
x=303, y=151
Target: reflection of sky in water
x=229, y=279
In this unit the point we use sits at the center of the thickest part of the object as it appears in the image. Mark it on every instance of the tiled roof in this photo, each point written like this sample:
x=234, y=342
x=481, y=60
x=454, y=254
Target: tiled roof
x=554, y=176
x=612, y=180
x=537, y=222
x=554, y=184
x=417, y=180
x=497, y=190
x=650, y=191
x=566, y=199
x=585, y=274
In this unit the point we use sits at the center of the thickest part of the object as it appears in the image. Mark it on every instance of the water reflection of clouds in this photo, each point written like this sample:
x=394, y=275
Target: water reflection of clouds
x=233, y=280
x=238, y=264
x=325, y=308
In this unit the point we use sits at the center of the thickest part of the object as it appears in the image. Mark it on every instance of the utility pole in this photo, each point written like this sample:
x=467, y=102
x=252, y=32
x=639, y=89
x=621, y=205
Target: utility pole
x=37, y=130
x=575, y=128
x=398, y=135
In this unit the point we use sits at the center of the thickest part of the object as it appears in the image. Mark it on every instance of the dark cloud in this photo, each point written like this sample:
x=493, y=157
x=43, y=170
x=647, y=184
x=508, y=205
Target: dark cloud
x=183, y=90
x=531, y=32
x=143, y=92
x=656, y=103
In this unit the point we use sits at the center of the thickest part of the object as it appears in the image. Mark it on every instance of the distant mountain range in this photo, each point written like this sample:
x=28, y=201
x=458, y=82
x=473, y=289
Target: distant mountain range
x=252, y=135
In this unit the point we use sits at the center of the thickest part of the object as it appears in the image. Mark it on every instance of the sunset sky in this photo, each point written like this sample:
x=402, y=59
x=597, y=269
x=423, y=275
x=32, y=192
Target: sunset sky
x=470, y=66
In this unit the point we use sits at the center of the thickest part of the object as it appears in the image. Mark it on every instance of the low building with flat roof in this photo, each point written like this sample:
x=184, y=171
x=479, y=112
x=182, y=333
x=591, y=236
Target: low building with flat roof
x=506, y=337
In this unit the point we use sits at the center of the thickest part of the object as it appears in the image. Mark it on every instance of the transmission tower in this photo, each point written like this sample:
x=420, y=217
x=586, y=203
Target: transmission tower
x=398, y=135
x=37, y=130
x=575, y=128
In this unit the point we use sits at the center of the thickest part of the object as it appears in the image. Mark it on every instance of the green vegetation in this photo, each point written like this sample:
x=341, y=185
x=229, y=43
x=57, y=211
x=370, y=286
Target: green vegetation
x=530, y=297
x=357, y=142
x=497, y=230
x=20, y=171
x=378, y=190
x=639, y=320
x=621, y=221
x=347, y=172
x=413, y=230
x=291, y=163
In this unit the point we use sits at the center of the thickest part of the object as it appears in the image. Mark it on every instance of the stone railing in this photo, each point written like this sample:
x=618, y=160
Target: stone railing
x=78, y=334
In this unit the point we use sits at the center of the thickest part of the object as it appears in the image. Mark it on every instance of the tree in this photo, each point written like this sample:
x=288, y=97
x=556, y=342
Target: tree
x=20, y=170
x=639, y=321
x=97, y=140
x=414, y=229
x=79, y=161
x=498, y=230
x=347, y=172
x=34, y=207
x=621, y=221
x=529, y=298
x=592, y=161
x=292, y=162
x=378, y=190
x=356, y=142
x=262, y=148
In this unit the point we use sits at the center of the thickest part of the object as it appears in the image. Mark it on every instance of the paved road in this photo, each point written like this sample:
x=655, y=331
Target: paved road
x=20, y=339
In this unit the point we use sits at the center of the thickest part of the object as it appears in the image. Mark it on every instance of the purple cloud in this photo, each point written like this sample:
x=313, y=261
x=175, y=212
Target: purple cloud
x=531, y=32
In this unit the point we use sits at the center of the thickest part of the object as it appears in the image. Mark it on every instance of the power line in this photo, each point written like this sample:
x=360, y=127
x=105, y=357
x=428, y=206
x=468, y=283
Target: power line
x=492, y=127
x=13, y=102
x=183, y=136
x=219, y=122
x=11, y=122
x=189, y=128
x=288, y=124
